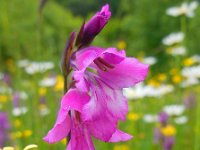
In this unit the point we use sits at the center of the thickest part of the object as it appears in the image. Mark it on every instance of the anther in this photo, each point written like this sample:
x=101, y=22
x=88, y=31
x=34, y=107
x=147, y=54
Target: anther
x=105, y=63
x=100, y=65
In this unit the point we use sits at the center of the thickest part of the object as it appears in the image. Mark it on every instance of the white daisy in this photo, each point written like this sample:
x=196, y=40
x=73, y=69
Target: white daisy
x=174, y=110
x=35, y=67
x=150, y=118
x=173, y=38
x=196, y=58
x=140, y=91
x=48, y=82
x=186, y=9
x=18, y=111
x=181, y=120
x=189, y=82
x=149, y=60
x=191, y=72
x=178, y=51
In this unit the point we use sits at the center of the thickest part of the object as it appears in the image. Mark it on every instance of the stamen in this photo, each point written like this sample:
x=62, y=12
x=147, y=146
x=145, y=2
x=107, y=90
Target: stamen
x=77, y=117
x=100, y=65
x=105, y=63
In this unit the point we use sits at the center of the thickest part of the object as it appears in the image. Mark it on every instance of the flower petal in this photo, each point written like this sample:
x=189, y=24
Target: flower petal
x=99, y=120
x=115, y=101
x=73, y=99
x=84, y=57
x=120, y=136
x=80, y=137
x=102, y=127
x=60, y=129
x=105, y=99
x=125, y=74
x=80, y=83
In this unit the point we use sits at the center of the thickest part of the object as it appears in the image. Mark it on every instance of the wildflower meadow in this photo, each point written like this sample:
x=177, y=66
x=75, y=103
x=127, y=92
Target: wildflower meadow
x=99, y=75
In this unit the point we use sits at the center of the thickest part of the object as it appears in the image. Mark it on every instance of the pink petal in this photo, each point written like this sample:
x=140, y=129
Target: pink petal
x=125, y=74
x=105, y=99
x=60, y=129
x=105, y=11
x=99, y=120
x=86, y=56
x=73, y=99
x=120, y=136
x=115, y=102
x=102, y=127
x=119, y=54
x=81, y=83
x=112, y=58
x=80, y=138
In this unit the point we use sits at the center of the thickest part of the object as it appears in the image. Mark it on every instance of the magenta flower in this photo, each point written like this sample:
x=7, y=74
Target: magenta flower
x=97, y=102
x=103, y=73
x=94, y=103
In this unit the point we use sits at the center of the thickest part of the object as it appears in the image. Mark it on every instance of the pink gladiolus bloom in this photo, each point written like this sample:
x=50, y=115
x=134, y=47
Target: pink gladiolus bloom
x=103, y=73
x=95, y=103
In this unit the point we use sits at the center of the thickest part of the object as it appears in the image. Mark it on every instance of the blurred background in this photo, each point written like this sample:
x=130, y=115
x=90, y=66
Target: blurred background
x=164, y=111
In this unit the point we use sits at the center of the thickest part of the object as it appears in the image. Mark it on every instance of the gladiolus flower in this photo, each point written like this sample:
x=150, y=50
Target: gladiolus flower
x=102, y=73
x=95, y=102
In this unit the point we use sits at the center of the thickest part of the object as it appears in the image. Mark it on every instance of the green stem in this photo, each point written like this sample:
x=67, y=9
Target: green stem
x=184, y=24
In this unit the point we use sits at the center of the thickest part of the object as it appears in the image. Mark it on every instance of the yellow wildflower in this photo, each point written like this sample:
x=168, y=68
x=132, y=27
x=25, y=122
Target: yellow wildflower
x=42, y=91
x=59, y=83
x=161, y=77
x=133, y=116
x=121, y=147
x=31, y=147
x=17, y=123
x=169, y=130
x=153, y=82
x=188, y=62
x=3, y=98
x=121, y=44
x=27, y=133
x=177, y=79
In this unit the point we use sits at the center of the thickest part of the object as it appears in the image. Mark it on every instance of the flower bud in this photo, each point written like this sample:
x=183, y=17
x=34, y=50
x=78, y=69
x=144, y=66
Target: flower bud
x=93, y=27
